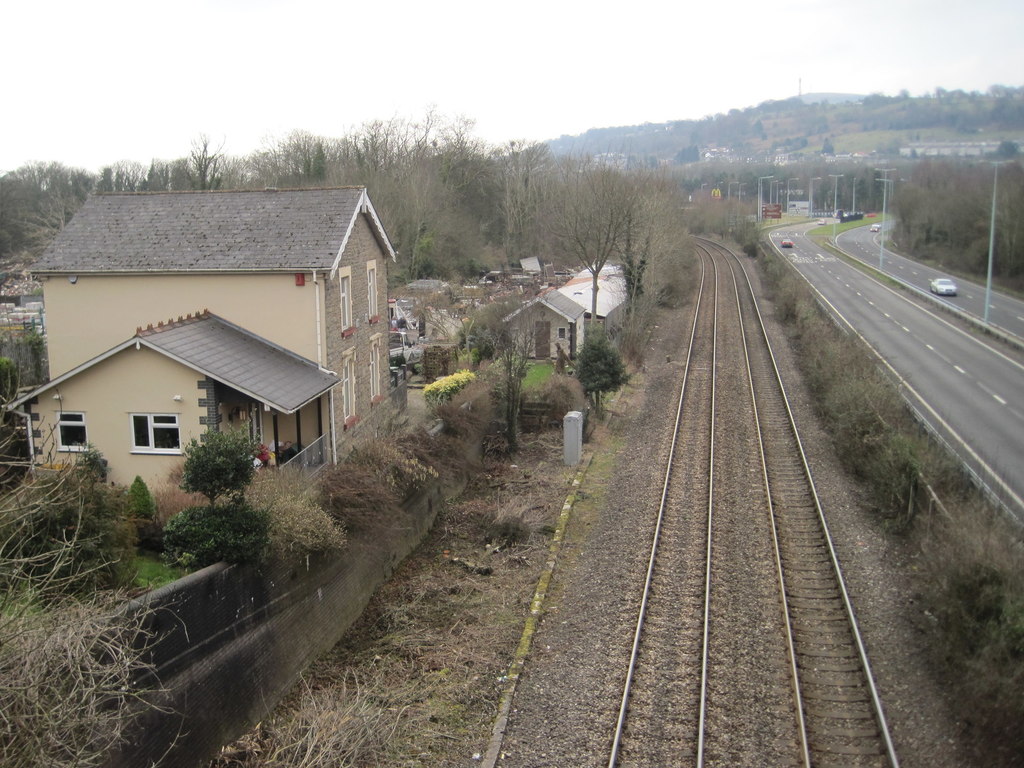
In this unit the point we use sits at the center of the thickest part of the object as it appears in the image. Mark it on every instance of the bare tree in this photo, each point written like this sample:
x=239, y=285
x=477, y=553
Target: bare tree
x=204, y=164
x=591, y=213
x=69, y=666
x=522, y=171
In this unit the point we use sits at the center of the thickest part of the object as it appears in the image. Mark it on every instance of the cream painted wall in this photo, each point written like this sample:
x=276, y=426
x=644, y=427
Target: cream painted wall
x=132, y=381
x=87, y=318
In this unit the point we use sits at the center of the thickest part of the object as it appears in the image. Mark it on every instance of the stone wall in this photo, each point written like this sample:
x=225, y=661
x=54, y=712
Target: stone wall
x=229, y=642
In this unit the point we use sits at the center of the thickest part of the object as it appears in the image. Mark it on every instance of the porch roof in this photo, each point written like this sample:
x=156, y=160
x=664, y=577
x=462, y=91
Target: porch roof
x=234, y=356
x=226, y=353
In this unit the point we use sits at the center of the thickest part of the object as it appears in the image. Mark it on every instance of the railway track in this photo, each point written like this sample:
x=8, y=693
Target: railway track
x=745, y=649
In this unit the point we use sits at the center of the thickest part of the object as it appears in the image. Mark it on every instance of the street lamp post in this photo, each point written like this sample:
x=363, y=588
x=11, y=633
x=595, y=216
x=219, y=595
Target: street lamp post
x=991, y=241
x=787, y=194
x=885, y=189
x=728, y=193
x=760, y=203
x=810, y=195
x=835, y=203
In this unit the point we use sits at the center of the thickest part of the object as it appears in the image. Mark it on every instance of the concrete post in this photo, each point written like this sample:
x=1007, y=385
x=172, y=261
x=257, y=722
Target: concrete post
x=572, y=426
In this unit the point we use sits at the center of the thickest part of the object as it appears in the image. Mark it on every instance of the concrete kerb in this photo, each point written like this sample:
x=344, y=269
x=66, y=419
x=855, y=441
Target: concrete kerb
x=511, y=678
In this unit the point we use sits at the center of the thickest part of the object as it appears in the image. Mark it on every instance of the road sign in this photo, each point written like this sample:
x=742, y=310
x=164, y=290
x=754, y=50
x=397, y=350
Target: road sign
x=771, y=211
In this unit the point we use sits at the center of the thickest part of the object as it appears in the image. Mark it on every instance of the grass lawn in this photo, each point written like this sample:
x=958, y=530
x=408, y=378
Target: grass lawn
x=152, y=572
x=537, y=374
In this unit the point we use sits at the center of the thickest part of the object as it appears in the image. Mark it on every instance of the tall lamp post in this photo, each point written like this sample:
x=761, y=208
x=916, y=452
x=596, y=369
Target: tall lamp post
x=835, y=203
x=885, y=189
x=787, y=194
x=991, y=241
x=760, y=204
x=810, y=195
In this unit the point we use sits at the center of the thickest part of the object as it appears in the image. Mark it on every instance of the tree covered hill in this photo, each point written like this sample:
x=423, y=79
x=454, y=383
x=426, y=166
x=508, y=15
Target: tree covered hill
x=804, y=126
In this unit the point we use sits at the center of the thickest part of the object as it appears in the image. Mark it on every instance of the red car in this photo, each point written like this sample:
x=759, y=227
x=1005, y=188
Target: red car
x=786, y=243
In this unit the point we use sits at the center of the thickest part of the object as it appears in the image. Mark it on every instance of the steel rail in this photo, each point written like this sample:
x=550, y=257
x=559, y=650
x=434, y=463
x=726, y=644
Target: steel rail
x=805, y=750
x=655, y=538
x=837, y=569
x=705, y=643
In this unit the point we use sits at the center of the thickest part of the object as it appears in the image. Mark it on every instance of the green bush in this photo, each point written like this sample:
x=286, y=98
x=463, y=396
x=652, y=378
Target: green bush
x=233, y=532
x=140, y=500
x=445, y=388
x=8, y=379
x=221, y=464
x=69, y=526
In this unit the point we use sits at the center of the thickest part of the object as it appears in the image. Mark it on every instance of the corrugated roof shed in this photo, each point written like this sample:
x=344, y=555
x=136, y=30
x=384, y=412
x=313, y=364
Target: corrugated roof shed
x=611, y=289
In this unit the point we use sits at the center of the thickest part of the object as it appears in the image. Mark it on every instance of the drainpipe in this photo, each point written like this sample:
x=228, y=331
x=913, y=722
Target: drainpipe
x=334, y=431
x=319, y=330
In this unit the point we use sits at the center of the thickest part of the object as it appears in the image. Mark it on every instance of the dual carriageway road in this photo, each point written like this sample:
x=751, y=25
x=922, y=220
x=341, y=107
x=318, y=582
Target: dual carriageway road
x=968, y=388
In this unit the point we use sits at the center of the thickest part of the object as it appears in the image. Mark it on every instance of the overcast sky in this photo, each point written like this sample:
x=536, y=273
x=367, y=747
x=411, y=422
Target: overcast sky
x=90, y=83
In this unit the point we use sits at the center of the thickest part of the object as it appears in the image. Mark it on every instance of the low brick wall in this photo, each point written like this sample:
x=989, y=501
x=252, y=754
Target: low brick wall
x=231, y=641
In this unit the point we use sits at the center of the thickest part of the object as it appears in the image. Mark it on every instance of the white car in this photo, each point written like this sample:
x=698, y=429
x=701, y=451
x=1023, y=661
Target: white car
x=876, y=227
x=942, y=286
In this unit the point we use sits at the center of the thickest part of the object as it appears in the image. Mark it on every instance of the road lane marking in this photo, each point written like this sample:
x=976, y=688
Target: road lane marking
x=960, y=370
x=905, y=328
x=988, y=391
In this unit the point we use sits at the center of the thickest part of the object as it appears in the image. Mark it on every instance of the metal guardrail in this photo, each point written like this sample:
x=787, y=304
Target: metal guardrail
x=310, y=458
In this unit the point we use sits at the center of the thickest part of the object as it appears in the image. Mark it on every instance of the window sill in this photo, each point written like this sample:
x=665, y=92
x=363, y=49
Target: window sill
x=155, y=452
x=351, y=421
x=374, y=319
x=348, y=332
x=377, y=400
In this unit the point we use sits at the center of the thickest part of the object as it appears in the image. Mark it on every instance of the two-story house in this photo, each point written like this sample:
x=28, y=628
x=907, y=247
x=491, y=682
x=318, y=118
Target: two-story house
x=169, y=314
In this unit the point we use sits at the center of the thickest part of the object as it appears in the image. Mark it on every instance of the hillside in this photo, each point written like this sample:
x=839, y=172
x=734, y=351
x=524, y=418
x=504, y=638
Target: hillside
x=802, y=126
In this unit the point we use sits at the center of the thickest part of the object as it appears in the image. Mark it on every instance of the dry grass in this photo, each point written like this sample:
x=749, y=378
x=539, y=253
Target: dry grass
x=974, y=590
x=429, y=648
x=298, y=522
x=170, y=499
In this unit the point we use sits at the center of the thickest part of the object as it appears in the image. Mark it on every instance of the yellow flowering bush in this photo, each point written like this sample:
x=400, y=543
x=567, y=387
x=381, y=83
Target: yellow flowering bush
x=445, y=388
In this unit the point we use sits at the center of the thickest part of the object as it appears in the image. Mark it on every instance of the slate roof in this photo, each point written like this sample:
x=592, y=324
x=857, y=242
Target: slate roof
x=284, y=230
x=242, y=360
x=563, y=305
x=556, y=302
x=229, y=354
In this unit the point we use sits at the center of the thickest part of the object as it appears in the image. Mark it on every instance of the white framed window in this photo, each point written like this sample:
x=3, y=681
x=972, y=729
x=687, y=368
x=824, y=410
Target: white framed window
x=348, y=386
x=71, y=431
x=156, y=433
x=371, y=288
x=375, y=354
x=345, y=296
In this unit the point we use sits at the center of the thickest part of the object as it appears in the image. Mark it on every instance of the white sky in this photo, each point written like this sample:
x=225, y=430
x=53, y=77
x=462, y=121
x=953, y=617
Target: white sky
x=90, y=83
